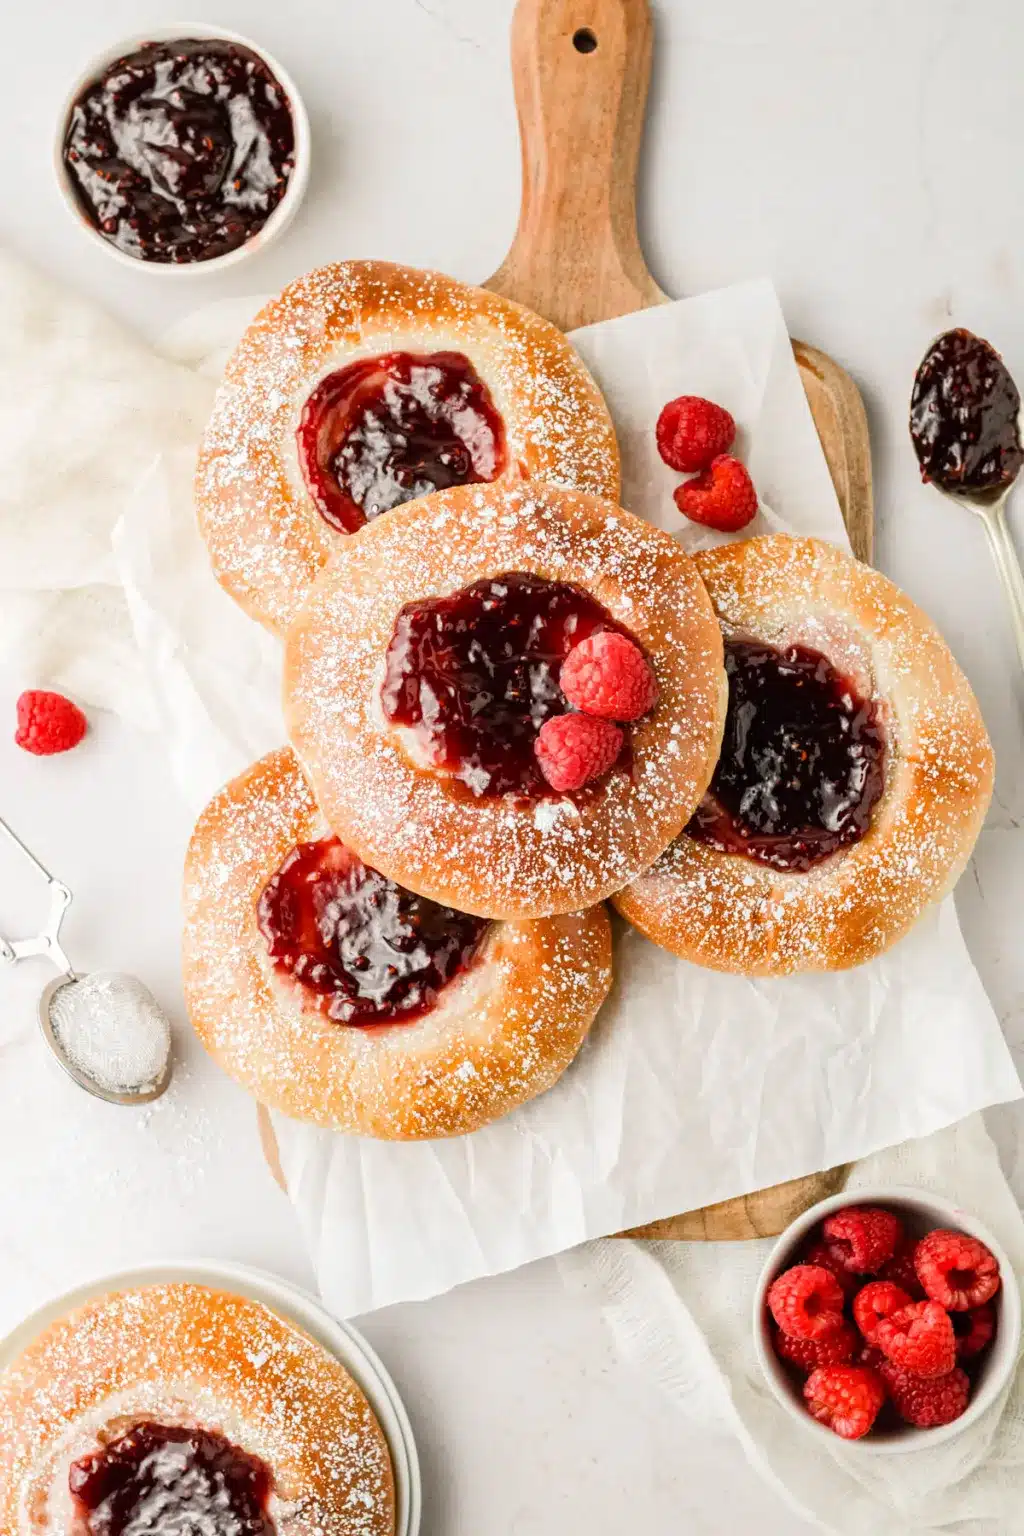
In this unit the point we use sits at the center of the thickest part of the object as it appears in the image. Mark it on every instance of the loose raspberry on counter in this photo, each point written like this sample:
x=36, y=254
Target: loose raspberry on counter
x=873, y=1302
x=956, y=1270
x=573, y=750
x=806, y=1302
x=48, y=723
x=863, y=1237
x=692, y=431
x=918, y=1338
x=848, y=1398
x=900, y=1270
x=722, y=497
x=927, y=1403
x=974, y=1330
x=807, y=1354
x=820, y=1253
x=608, y=676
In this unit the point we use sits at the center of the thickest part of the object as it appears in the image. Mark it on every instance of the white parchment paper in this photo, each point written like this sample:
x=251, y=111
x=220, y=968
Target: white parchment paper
x=692, y=1086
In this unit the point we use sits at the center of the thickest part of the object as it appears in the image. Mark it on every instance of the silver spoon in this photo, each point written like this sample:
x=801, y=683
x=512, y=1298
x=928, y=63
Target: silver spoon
x=106, y=1030
x=990, y=507
x=965, y=406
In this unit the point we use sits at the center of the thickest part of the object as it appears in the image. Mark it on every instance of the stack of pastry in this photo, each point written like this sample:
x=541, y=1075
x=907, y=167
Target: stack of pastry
x=509, y=700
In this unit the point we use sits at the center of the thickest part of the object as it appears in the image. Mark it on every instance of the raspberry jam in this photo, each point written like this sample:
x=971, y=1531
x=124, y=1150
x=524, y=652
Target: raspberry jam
x=181, y=151
x=368, y=951
x=964, y=416
x=388, y=429
x=802, y=763
x=475, y=675
x=161, y=1480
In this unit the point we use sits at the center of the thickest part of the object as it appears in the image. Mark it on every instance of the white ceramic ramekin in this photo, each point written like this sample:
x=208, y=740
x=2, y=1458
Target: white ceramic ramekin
x=920, y=1212
x=282, y=214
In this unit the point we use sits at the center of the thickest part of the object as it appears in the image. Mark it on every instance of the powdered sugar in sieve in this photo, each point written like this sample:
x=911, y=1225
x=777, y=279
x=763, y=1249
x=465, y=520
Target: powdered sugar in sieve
x=107, y=1030
x=111, y=1028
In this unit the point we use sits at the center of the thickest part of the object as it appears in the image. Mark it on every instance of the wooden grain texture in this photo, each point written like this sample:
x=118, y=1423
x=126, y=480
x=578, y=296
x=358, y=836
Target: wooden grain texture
x=576, y=259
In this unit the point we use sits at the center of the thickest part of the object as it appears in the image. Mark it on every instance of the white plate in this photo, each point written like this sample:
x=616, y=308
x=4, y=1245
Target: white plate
x=339, y=1339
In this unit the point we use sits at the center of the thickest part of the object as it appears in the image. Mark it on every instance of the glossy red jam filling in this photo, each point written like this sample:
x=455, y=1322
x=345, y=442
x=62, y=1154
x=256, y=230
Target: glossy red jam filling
x=388, y=429
x=159, y=1480
x=802, y=763
x=475, y=675
x=965, y=416
x=368, y=951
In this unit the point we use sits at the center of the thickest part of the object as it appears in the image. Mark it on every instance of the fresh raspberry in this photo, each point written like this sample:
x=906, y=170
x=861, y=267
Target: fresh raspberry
x=848, y=1398
x=806, y=1302
x=608, y=676
x=574, y=749
x=956, y=1270
x=863, y=1237
x=821, y=1253
x=807, y=1354
x=927, y=1403
x=900, y=1270
x=919, y=1338
x=974, y=1330
x=691, y=432
x=48, y=723
x=721, y=497
x=879, y=1299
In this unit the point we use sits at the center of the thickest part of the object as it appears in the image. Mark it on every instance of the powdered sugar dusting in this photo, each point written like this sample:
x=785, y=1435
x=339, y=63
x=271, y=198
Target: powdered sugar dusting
x=181, y=1354
x=266, y=539
x=503, y=857
x=501, y=1032
x=726, y=911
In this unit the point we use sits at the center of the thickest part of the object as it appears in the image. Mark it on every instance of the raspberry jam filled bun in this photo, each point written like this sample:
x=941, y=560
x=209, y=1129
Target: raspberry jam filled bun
x=854, y=777
x=365, y=385
x=422, y=695
x=338, y=997
x=179, y=1408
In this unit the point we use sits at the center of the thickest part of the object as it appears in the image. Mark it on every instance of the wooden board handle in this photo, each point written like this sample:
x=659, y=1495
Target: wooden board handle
x=580, y=69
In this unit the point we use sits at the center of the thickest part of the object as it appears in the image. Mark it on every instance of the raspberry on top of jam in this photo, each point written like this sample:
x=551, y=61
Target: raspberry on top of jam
x=965, y=416
x=802, y=763
x=388, y=429
x=474, y=676
x=367, y=951
x=181, y=151
x=159, y=1479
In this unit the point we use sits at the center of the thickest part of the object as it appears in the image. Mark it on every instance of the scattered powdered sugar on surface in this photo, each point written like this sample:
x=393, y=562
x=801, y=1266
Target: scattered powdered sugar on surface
x=183, y=1354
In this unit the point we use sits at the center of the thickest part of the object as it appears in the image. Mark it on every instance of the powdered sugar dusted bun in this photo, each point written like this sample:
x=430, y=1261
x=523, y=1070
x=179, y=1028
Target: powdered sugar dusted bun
x=503, y=855
x=724, y=909
x=183, y=1356
x=502, y=1030
x=266, y=537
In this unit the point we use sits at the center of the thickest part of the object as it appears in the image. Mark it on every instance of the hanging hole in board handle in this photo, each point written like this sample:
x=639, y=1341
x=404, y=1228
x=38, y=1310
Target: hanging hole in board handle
x=584, y=40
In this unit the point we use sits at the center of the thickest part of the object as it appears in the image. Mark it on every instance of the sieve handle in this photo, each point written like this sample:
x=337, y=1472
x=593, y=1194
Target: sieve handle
x=47, y=942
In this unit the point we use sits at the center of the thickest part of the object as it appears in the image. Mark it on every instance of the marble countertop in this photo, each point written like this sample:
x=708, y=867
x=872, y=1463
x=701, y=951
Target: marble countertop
x=860, y=164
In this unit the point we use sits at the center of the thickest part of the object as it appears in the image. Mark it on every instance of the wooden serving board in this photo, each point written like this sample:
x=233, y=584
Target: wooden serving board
x=581, y=70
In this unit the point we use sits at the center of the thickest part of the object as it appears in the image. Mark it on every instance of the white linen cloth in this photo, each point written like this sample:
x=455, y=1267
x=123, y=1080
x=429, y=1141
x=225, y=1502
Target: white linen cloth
x=692, y=1086
x=681, y=1313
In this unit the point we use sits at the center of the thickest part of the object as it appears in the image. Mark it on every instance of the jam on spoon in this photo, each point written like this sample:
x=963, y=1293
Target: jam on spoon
x=385, y=430
x=964, y=416
x=474, y=676
x=802, y=763
x=181, y=151
x=157, y=1478
x=367, y=951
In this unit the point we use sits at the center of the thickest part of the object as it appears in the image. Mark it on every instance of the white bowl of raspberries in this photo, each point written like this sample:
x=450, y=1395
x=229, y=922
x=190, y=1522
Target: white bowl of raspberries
x=892, y=1319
